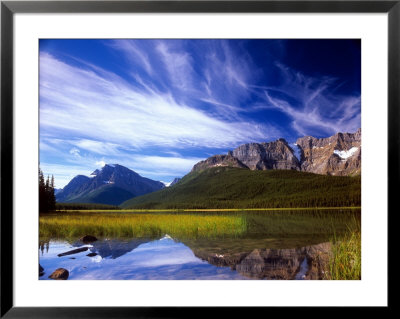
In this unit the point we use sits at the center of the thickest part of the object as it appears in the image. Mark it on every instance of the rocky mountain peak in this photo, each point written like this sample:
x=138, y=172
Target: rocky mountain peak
x=339, y=154
x=273, y=155
x=218, y=160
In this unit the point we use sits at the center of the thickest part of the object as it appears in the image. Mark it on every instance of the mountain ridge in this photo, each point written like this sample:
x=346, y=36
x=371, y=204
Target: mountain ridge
x=111, y=185
x=339, y=154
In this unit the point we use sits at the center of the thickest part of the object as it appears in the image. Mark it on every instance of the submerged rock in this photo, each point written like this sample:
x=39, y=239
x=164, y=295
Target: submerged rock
x=88, y=239
x=60, y=274
x=74, y=251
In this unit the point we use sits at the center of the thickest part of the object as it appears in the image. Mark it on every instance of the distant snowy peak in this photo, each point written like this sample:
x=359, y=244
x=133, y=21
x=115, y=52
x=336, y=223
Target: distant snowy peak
x=105, y=167
x=176, y=180
x=166, y=184
x=112, y=184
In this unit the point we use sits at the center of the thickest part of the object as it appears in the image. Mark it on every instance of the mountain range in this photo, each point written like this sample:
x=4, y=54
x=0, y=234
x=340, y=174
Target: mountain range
x=337, y=155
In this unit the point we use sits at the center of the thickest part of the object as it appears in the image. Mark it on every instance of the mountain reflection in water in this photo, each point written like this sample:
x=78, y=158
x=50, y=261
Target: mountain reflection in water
x=157, y=259
x=119, y=259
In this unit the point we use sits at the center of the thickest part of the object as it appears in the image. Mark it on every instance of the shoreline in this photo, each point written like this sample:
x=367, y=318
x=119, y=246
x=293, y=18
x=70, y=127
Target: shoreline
x=201, y=210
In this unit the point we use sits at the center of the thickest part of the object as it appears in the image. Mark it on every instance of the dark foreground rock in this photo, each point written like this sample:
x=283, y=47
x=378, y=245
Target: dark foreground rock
x=88, y=239
x=41, y=271
x=74, y=251
x=60, y=274
x=91, y=255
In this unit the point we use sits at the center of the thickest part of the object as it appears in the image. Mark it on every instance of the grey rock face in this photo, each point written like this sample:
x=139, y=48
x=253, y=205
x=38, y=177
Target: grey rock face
x=263, y=156
x=218, y=160
x=339, y=154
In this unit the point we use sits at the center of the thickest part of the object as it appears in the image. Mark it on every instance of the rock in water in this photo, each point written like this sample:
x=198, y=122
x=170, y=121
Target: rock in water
x=74, y=251
x=41, y=271
x=60, y=274
x=91, y=255
x=88, y=239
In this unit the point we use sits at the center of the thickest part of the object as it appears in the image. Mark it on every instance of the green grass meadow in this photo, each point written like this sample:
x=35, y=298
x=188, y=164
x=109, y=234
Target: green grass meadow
x=70, y=226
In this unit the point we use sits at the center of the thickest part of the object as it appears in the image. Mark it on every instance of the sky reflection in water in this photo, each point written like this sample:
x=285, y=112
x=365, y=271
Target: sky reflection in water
x=157, y=259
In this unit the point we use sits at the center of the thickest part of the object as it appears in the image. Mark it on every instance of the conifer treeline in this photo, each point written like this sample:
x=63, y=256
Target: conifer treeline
x=47, y=199
x=227, y=187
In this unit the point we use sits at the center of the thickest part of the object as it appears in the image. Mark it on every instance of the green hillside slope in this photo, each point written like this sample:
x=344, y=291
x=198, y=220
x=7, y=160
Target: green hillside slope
x=228, y=187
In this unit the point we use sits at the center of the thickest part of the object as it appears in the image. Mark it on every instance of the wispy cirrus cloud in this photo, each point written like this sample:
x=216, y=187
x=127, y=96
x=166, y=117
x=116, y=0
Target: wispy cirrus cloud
x=91, y=108
x=134, y=54
x=312, y=104
x=178, y=65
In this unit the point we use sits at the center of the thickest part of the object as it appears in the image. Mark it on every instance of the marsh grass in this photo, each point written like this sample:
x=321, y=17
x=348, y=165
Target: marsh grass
x=299, y=223
x=345, y=261
x=69, y=226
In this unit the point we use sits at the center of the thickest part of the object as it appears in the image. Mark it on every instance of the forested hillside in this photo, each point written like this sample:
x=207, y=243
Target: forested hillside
x=228, y=187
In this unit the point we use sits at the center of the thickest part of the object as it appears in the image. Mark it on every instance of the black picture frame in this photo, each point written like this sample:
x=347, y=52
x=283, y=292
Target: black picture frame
x=9, y=8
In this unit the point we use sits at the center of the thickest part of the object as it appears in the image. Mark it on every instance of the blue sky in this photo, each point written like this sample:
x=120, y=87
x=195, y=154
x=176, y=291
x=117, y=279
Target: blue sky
x=160, y=106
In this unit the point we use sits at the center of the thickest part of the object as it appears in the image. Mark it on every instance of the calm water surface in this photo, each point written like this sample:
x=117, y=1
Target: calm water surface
x=274, y=246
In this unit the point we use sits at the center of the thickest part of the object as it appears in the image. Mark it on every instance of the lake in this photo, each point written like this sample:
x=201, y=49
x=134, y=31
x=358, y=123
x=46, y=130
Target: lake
x=189, y=246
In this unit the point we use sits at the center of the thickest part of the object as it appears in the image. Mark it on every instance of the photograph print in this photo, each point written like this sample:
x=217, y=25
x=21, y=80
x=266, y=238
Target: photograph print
x=210, y=159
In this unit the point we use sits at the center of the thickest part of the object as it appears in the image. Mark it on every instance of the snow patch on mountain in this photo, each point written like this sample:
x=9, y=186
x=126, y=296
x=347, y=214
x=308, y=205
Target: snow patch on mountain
x=166, y=184
x=346, y=154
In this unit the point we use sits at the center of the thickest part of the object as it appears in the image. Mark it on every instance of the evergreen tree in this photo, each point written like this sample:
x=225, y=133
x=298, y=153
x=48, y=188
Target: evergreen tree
x=42, y=193
x=47, y=200
x=52, y=197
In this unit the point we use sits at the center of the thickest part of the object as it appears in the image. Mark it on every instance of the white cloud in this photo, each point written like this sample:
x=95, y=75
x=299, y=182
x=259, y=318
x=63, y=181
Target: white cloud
x=160, y=163
x=74, y=151
x=83, y=105
x=178, y=66
x=100, y=163
x=96, y=146
x=134, y=54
